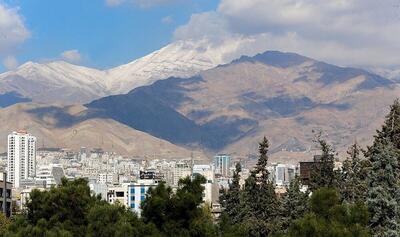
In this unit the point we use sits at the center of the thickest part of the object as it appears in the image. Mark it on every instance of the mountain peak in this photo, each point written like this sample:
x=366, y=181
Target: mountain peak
x=276, y=59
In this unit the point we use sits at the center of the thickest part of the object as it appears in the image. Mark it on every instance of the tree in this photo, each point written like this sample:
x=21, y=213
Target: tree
x=71, y=210
x=353, y=177
x=66, y=205
x=180, y=213
x=260, y=202
x=383, y=178
x=390, y=131
x=294, y=204
x=156, y=206
x=116, y=220
x=4, y=222
x=329, y=218
x=383, y=190
x=323, y=173
x=231, y=200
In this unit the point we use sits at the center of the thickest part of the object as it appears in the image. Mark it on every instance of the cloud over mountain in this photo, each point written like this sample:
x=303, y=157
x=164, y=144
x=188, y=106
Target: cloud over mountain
x=357, y=32
x=13, y=32
x=72, y=56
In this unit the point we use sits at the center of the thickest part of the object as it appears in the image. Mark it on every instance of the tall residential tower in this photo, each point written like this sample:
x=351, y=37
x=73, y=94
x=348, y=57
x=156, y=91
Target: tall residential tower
x=21, y=157
x=222, y=163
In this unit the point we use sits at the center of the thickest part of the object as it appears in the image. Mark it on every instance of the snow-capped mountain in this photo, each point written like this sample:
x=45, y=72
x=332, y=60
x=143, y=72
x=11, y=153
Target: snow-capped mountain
x=54, y=82
x=67, y=83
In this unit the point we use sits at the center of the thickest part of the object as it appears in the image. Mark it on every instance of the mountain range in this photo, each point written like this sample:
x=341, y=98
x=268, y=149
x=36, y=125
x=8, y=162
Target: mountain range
x=64, y=127
x=284, y=96
x=188, y=97
x=65, y=83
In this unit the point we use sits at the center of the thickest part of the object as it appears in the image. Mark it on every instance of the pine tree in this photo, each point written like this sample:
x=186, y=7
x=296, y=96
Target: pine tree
x=232, y=198
x=329, y=217
x=261, y=204
x=383, y=190
x=353, y=177
x=294, y=204
x=390, y=131
x=383, y=179
x=323, y=173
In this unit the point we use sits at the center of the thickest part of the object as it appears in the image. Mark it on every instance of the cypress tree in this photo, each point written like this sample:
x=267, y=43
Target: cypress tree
x=294, y=204
x=383, y=190
x=353, y=177
x=323, y=174
x=261, y=204
x=390, y=131
x=383, y=179
x=232, y=198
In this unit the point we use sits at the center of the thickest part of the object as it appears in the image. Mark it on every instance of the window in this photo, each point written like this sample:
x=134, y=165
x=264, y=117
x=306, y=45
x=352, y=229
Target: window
x=132, y=190
x=132, y=198
x=142, y=190
x=142, y=198
x=119, y=194
x=133, y=205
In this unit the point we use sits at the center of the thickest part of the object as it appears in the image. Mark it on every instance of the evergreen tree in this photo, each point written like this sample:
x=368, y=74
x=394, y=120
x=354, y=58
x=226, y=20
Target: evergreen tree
x=231, y=199
x=260, y=202
x=323, y=173
x=294, y=204
x=180, y=213
x=383, y=179
x=383, y=190
x=71, y=210
x=390, y=131
x=353, y=177
x=329, y=218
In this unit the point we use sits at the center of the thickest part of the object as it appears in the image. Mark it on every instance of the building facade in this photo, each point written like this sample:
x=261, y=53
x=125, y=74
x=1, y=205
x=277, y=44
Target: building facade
x=5, y=196
x=137, y=193
x=207, y=171
x=181, y=169
x=21, y=157
x=222, y=165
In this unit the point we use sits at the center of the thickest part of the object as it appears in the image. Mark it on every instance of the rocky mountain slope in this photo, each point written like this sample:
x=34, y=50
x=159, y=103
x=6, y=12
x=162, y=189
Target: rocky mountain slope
x=72, y=127
x=284, y=96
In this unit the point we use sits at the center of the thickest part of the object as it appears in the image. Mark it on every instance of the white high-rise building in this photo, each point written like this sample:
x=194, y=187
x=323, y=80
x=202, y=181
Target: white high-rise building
x=181, y=170
x=222, y=164
x=21, y=157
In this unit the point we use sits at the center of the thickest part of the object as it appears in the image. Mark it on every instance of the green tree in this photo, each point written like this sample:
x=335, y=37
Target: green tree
x=180, y=213
x=390, y=131
x=323, y=173
x=66, y=205
x=294, y=204
x=353, y=177
x=329, y=218
x=383, y=190
x=71, y=210
x=4, y=222
x=116, y=220
x=261, y=205
x=231, y=200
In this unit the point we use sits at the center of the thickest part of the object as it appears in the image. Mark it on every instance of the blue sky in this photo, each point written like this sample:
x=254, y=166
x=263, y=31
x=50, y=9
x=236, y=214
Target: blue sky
x=104, y=35
x=108, y=33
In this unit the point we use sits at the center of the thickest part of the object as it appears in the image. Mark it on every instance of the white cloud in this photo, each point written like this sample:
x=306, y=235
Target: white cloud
x=142, y=3
x=12, y=30
x=346, y=32
x=10, y=62
x=113, y=3
x=167, y=20
x=72, y=56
